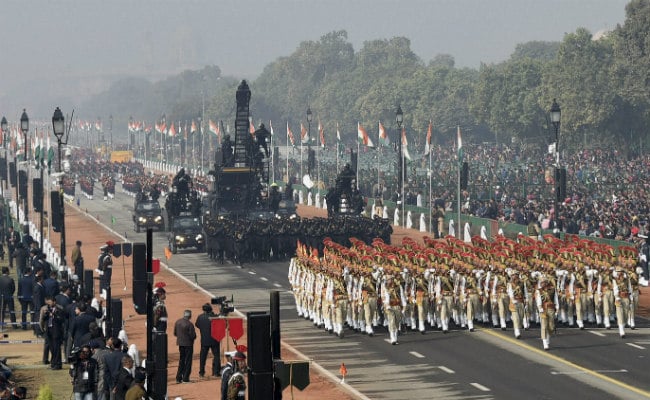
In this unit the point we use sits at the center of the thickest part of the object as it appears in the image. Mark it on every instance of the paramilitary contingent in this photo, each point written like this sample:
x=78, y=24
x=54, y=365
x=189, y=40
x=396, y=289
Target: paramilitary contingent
x=428, y=286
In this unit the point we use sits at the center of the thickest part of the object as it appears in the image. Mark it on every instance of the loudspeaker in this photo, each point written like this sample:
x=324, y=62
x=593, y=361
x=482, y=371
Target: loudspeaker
x=89, y=284
x=259, y=342
x=353, y=160
x=260, y=385
x=37, y=197
x=116, y=317
x=12, y=173
x=22, y=184
x=57, y=218
x=140, y=278
x=159, y=384
x=275, y=324
x=464, y=176
x=311, y=161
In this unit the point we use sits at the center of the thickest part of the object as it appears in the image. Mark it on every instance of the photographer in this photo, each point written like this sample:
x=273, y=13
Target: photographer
x=84, y=375
x=208, y=343
x=51, y=321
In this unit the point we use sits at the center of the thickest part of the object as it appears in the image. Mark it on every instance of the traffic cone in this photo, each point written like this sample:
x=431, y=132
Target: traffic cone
x=343, y=371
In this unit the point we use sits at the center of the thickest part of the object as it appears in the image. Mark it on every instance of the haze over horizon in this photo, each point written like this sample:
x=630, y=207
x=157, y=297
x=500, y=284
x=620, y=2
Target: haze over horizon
x=58, y=53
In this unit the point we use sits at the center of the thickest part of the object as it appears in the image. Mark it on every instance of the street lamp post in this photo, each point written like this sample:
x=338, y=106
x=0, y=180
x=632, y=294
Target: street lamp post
x=3, y=130
x=399, y=119
x=556, y=114
x=24, y=127
x=309, y=119
x=110, y=128
x=58, y=126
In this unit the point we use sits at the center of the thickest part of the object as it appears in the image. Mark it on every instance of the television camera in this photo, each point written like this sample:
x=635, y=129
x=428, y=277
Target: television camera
x=225, y=306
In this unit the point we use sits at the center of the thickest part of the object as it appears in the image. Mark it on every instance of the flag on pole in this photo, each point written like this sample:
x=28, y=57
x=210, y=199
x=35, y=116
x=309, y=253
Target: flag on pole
x=427, y=142
x=321, y=133
x=405, y=145
x=338, y=133
x=460, y=145
x=290, y=135
x=271, y=128
x=251, y=126
x=383, y=136
x=193, y=128
x=304, y=134
x=363, y=136
x=172, y=130
x=213, y=127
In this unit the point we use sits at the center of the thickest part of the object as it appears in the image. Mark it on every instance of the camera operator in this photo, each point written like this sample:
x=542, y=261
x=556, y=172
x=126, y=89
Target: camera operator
x=84, y=375
x=52, y=317
x=208, y=343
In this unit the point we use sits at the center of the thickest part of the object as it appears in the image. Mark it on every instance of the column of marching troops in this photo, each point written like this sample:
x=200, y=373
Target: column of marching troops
x=420, y=286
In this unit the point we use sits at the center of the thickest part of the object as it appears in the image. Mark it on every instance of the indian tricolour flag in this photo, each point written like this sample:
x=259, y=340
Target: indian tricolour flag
x=383, y=136
x=363, y=136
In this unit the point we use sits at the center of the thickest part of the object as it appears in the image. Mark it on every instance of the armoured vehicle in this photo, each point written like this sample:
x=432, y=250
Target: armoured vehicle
x=148, y=214
x=186, y=231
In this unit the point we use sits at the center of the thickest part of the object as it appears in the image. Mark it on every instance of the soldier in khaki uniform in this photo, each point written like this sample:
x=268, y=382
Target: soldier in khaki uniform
x=547, y=305
x=622, y=290
x=517, y=296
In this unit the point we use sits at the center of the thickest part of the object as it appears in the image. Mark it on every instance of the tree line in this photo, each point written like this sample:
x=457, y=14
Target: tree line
x=600, y=81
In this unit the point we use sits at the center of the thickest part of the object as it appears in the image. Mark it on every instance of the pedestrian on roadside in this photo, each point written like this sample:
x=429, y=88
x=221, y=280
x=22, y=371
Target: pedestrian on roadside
x=7, y=291
x=51, y=322
x=13, y=238
x=208, y=343
x=136, y=392
x=77, y=259
x=84, y=375
x=25, y=297
x=185, y=336
x=124, y=378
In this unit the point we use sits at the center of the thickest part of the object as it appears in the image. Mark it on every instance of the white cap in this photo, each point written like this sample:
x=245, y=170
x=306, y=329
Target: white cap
x=230, y=354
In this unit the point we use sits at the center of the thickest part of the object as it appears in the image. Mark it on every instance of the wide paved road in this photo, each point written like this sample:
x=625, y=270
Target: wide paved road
x=486, y=364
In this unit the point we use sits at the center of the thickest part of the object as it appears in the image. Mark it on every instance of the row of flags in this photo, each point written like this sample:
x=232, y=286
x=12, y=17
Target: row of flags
x=175, y=129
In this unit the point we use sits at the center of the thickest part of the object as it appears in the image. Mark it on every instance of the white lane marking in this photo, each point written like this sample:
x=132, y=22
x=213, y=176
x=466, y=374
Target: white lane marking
x=480, y=387
x=636, y=346
x=597, y=333
x=416, y=354
x=447, y=370
x=264, y=279
x=252, y=272
x=606, y=371
x=277, y=285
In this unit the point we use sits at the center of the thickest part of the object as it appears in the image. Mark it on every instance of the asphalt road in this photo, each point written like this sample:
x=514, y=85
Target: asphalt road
x=486, y=364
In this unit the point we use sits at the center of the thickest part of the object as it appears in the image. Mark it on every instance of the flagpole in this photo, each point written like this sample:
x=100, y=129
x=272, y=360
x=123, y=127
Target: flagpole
x=430, y=192
x=272, y=152
x=458, y=192
x=378, y=157
x=288, y=175
x=402, y=185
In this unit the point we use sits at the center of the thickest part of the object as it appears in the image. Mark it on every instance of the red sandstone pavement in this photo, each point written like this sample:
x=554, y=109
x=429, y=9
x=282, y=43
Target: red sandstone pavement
x=183, y=295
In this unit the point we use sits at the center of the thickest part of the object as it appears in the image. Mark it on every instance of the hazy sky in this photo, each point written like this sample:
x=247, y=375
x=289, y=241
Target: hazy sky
x=82, y=45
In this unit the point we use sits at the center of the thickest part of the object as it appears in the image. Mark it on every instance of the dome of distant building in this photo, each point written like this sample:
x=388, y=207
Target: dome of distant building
x=600, y=34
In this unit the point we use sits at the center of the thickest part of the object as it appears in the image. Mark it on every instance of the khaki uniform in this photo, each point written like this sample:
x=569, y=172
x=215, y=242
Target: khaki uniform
x=547, y=304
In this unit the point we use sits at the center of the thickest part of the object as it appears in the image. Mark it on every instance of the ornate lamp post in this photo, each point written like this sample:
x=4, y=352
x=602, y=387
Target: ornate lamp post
x=24, y=128
x=3, y=130
x=58, y=126
x=556, y=114
x=110, y=128
x=399, y=119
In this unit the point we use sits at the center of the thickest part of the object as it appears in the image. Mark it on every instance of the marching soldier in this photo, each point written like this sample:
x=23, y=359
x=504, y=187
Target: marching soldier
x=622, y=290
x=517, y=295
x=605, y=294
x=547, y=305
x=392, y=306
